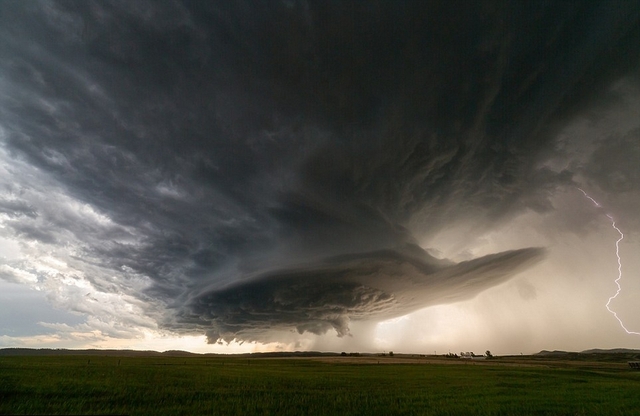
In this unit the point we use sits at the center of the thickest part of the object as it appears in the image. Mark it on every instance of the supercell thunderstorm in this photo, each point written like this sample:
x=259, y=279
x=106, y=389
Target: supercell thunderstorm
x=247, y=170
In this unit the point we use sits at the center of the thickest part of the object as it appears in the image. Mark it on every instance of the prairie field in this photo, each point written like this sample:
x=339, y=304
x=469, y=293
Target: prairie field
x=314, y=386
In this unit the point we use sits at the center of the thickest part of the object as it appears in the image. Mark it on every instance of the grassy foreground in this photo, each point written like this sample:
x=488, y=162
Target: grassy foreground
x=240, y=386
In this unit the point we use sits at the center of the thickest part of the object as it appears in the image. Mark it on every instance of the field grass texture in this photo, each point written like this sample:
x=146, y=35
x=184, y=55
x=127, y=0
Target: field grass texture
x=242, y=386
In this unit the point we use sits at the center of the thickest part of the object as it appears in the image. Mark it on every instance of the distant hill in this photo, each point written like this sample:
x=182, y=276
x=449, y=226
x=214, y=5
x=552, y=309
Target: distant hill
x=593, y=355
x=149, y=353
x=118, y=353
x=556, y=353
x=612, y=351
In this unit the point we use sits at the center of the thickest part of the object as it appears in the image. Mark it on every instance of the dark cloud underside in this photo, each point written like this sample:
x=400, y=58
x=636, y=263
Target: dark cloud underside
x=316, y=298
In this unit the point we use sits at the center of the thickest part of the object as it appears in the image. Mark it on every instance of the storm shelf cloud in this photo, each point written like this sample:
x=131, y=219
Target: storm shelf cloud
x=376, y=285
x=237, y=168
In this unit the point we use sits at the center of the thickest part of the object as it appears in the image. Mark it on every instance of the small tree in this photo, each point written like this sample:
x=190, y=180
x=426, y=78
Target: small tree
x=390, y=353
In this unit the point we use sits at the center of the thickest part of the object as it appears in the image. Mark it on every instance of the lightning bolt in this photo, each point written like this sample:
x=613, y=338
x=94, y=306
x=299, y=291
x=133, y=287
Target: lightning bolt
x=617, y=281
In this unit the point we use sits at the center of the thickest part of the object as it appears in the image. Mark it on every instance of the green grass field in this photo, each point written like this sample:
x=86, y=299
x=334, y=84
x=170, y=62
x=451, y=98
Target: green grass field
x=240, y=386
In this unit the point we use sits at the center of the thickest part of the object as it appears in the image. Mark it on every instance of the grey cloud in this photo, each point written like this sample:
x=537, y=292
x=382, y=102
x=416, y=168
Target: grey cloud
x=227, y=142
x=369, y=286
x=17, y=208
x=31, y=232
x=613, y=165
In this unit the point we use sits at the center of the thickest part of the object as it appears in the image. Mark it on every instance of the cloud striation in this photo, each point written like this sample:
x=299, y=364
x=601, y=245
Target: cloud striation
x=236, y=168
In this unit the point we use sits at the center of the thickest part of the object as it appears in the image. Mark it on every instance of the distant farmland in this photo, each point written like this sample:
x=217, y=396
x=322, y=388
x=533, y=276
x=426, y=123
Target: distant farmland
x=405, y=385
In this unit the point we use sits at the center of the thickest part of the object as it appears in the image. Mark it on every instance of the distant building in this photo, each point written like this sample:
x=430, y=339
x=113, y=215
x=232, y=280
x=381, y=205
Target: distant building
x=471, y=356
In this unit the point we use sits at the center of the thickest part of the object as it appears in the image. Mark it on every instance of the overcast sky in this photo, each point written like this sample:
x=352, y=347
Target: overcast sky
x=347, y=176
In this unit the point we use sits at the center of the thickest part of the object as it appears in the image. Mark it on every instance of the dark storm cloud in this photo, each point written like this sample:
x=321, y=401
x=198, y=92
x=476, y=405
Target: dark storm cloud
x=316, y=298
x=236, y=140
x=612, y=165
